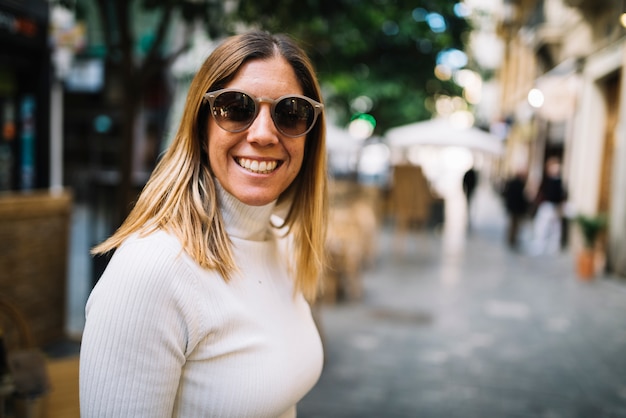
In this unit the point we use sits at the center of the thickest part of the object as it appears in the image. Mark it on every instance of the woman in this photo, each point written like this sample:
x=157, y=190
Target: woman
x=516, y=204
x=202, y=309
x=547, y=227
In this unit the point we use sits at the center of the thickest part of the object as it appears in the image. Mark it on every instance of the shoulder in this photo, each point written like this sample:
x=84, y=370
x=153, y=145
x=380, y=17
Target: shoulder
x=158, y=239
x=150, y=280
x=154, y=259
x=151, y=251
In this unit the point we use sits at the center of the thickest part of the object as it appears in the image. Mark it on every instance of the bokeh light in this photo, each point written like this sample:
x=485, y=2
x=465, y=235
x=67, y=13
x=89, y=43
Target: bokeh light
x=535, y=98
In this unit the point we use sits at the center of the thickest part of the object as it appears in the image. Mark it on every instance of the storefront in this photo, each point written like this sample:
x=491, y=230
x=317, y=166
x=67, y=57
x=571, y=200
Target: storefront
x=24, y=95
x=34, y=221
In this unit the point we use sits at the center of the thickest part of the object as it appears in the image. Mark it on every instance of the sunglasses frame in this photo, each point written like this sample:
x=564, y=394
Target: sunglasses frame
x=213, y=95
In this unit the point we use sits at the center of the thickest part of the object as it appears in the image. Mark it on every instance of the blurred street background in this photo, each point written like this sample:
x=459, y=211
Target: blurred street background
x=445, y=293
x=457, y=325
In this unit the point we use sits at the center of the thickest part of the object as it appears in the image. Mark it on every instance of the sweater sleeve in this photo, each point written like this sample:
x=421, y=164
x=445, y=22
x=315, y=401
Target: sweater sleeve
x=139, y=326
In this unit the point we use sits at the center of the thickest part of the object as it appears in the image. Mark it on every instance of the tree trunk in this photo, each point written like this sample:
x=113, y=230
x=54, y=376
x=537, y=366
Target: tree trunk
x=116, y=18
x=126, y=191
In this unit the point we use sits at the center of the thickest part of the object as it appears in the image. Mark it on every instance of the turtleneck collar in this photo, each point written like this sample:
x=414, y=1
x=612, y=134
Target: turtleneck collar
x=241, y=220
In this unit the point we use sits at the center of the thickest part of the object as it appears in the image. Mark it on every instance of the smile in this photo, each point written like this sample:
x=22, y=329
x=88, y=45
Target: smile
x=259, y=167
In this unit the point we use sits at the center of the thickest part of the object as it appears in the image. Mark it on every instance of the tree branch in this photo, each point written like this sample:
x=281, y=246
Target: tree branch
x=126, y=42
x=152, y=57
x=106, y=24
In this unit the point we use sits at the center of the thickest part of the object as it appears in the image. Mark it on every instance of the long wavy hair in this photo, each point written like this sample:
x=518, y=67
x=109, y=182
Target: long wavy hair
x=180, y=195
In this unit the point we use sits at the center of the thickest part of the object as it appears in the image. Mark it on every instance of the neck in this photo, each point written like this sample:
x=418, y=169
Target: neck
x=241, y=220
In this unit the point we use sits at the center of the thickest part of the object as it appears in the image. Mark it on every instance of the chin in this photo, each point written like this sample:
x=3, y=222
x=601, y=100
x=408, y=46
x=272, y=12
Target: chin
x=256, y=200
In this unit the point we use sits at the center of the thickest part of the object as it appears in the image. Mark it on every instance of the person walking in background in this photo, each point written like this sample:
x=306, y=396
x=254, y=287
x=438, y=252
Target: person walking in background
x=516, y=204
x=547, y=227
x=470, y=180
x=202, y=310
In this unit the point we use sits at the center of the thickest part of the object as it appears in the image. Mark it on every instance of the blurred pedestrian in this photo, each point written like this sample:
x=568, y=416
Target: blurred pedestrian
x=470, y=180
x=516, y=204
x=201, y=311
x=547, y=227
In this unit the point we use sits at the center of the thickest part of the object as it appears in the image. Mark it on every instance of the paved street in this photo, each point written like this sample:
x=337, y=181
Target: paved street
x=456, y=325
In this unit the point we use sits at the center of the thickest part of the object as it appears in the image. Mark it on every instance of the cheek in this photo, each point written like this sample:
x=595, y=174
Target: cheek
x=212, y=144
x=297, y=156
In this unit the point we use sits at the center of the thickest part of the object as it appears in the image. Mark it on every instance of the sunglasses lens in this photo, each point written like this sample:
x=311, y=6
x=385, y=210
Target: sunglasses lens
x=234, y=111
x=294, y=116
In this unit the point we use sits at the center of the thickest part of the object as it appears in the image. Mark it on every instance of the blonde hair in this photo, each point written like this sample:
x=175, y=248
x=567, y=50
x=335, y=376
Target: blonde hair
x=180, y=195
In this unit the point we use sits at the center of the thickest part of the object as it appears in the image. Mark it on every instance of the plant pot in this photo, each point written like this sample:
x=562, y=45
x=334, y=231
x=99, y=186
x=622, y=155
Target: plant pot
x=585, y=264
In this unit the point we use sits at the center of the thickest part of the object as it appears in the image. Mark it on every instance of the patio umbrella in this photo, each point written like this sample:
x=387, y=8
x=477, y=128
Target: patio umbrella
x=442, y=132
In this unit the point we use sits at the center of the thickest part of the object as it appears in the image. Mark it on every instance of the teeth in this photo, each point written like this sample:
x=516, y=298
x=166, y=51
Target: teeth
x=263, y=167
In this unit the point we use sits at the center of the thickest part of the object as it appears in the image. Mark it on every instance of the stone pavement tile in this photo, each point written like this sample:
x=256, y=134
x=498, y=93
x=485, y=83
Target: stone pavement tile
x=485, y=333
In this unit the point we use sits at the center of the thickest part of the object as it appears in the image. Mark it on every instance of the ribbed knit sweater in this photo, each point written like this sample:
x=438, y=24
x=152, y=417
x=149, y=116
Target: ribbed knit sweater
x=167, y=338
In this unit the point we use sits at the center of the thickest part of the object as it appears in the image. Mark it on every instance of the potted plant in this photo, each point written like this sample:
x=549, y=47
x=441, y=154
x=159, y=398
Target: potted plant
x=590, y=228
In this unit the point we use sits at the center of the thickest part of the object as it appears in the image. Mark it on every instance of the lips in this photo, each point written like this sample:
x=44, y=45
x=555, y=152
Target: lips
x=258, y=167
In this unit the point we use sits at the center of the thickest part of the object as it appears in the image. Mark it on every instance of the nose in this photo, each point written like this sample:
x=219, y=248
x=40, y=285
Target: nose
x=263, y=131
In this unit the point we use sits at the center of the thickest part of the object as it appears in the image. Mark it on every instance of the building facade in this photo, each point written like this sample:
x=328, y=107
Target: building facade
x=572, y=53
x=24, y=95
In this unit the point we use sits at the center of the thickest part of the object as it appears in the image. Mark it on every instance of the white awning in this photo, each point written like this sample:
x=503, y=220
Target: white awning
x=441, y=132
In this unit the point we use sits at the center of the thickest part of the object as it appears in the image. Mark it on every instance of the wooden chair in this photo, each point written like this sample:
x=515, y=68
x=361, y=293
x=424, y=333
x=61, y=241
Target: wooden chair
x=26, y=382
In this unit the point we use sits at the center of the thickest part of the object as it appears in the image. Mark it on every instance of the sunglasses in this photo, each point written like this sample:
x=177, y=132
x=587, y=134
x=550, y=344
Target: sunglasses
x=235, y=110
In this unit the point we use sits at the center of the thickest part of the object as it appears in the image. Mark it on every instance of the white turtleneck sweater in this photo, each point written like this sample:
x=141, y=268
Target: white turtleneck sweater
x=167, y=338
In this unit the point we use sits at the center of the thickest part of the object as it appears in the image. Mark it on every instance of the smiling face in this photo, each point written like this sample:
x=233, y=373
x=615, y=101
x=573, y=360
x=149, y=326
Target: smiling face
x=259, y=163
